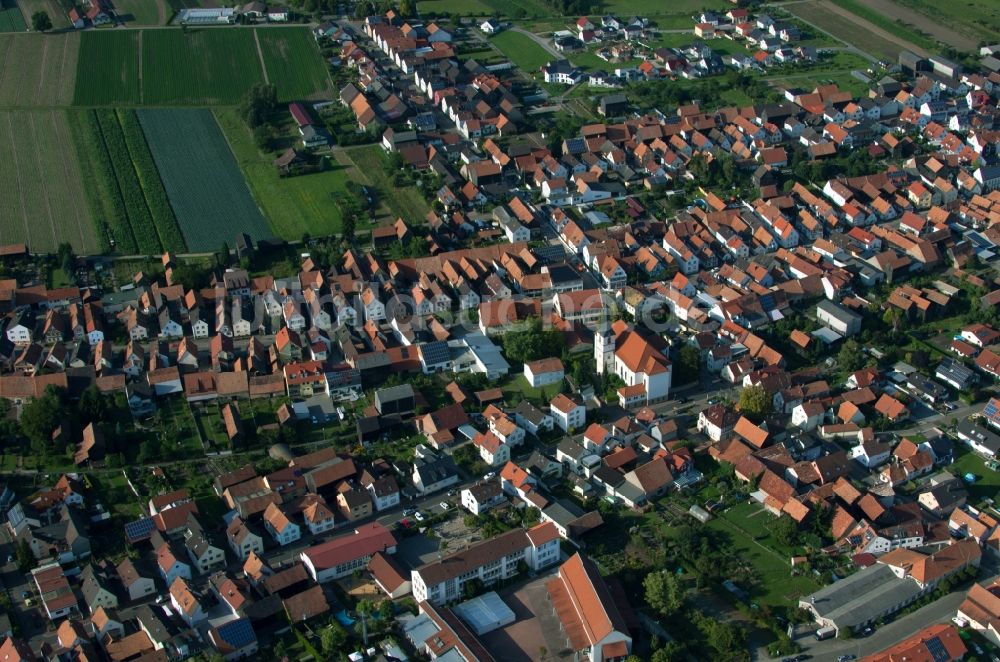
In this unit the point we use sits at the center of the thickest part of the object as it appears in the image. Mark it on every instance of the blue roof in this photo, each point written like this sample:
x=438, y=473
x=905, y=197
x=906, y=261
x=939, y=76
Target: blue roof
x=238, y=633
x=139, y=529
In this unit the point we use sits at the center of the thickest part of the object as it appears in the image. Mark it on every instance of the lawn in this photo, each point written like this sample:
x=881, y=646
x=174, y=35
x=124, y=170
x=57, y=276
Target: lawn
x=774, y=583
x=142, y=12
x=202, y=179
x=38, y=70
x=293, y=62
x=292, y=205
x=649, y=8
x=11, y=19
x=54, y=8
x=987, y=485
x=36, y=150
x=518, y=384
x=522, y=51
x=179, y=427
x=405, y=202
x=462, y=7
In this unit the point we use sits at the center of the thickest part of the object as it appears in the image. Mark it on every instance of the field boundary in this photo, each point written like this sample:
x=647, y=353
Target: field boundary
x=260, y=57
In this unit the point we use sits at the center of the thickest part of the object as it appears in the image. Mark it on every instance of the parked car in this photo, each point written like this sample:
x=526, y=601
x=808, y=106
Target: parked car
x=419, y=516
x=444, y=505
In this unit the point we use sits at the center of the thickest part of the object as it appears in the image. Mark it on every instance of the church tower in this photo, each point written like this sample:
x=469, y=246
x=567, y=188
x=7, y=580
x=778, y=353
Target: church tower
x=604, y=348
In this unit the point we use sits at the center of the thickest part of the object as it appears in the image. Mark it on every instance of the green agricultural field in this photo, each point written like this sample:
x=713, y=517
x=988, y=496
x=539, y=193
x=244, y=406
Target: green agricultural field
x=168, y=231
x=208, y=194
x=102, y=194
x=293, y=62
x=522, y=51
x=292, y=205
x=41, y=187
x=11, y=19
x=37, y=70
x=108, y=68
x=198, y=66
x=846, y=30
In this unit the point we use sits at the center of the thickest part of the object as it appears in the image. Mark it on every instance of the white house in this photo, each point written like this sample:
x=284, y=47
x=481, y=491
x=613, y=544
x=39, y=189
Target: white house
x=567, y=413
x=482, y=496
x=544, y=372
x=807, y=415
x=318, y=517
x=283, y=530
x=871, y=453
x=493, y=451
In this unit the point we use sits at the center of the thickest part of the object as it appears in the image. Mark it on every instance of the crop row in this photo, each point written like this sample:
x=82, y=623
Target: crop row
x=108, y=203
x=139, y=217
x=164, y=221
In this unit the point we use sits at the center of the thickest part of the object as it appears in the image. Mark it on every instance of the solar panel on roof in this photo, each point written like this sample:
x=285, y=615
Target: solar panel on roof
x=237, y=633
x=937, y=650
x=139, y=529
x=435, y=352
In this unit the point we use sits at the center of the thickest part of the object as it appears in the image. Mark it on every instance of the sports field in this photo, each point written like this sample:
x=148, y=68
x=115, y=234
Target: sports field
x=293, y=205
x=522, y=51
x=41, y=187
x=202, y=179
x=293, y=62
x=37, y=70
x=11, y=19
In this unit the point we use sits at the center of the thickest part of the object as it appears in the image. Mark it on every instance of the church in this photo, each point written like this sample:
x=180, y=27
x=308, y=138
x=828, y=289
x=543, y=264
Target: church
x=639, y=361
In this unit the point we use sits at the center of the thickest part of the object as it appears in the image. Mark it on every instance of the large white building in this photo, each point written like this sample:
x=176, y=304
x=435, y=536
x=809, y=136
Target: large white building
x=489, y=561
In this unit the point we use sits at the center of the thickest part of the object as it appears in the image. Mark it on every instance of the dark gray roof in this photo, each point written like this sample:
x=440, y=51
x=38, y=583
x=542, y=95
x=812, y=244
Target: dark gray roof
x=435, y=352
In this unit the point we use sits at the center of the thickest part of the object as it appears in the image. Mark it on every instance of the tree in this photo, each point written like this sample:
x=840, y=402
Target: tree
x=67, y=260
x=664, y=592
x=755, y=402
x=40, y=21
x=673, y=651
x=258, y=104
x=688, y=364
x=93, y=406
x=785, y=531
x=25, y=558
x=223, y=256
x=851, y=357
x=41, y=416
x=332, y=638
x=407, y=8
x=349, y=227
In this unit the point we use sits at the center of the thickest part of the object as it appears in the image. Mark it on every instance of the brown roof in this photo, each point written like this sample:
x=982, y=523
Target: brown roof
x=386, y=572
x=584, y=604
x=307, y=604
